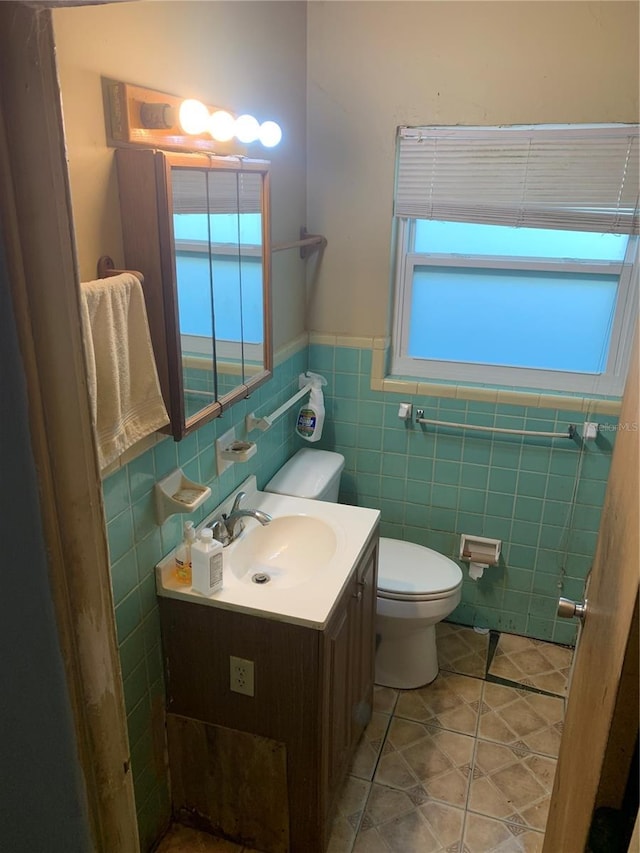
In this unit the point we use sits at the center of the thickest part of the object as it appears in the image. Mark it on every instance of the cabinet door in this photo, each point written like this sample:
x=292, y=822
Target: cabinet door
x=363, y=641
x=337, y=692
x=197, y=227
x=348, y=667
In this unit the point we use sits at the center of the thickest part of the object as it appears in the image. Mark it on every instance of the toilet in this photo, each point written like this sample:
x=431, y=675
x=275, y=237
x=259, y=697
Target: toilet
x=417, y=587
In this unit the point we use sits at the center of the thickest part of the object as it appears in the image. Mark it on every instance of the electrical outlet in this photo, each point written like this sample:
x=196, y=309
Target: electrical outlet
x=241, y=675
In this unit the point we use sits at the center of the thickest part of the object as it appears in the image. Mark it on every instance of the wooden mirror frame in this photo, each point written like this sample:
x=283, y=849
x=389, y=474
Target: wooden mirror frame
x=144, y=178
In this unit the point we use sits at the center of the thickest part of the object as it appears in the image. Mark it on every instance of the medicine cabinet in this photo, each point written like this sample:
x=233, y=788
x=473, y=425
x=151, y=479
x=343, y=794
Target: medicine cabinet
x=197, y=227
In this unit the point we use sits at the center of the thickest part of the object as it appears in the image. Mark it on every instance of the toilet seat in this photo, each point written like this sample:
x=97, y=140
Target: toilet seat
x=409, y=572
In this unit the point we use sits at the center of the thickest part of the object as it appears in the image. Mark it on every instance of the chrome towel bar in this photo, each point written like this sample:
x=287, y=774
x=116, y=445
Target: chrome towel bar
x=570, y=432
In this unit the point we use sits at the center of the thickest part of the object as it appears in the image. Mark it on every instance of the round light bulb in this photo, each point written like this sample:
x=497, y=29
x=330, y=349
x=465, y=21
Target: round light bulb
x=193, y=116
x=247, y=128
x=222, y=125
x=270, y=133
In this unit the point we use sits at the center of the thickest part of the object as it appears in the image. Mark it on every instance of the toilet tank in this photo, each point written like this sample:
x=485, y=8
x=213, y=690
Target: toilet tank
x=313, y=474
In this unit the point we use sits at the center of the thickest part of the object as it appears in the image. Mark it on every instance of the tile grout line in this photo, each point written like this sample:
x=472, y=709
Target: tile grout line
x=382, y=745
x=473, y=758
x=492, y=647
x=466, y=802
x=373, y=773
x=518, y=685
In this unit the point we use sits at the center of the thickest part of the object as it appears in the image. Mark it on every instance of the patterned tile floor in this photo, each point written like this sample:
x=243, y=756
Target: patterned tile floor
x=533, y=663
x=464, y=765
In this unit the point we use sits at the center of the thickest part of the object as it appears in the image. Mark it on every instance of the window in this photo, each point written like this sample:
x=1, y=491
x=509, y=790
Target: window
x=515, y=256
x=208, y=245
x=217, y=225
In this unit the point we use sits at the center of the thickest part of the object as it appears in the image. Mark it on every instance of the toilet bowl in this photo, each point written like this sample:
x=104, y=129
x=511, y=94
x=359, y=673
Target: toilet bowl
x=417, y=587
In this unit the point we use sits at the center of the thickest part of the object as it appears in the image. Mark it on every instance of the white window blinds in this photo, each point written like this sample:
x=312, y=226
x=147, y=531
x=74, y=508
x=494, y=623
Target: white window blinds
x=578, y=177
x=202, y=191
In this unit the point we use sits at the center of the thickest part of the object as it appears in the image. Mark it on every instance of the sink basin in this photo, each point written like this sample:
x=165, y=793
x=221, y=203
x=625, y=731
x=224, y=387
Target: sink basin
x=305, y=557
x=284, y=553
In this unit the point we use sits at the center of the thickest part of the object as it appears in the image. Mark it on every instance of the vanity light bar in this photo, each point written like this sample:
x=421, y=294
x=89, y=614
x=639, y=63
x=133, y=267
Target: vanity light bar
x=195, y=118
x=140, y=116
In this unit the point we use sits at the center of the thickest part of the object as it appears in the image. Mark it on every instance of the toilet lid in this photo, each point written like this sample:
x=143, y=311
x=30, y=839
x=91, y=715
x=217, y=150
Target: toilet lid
x=413, y=570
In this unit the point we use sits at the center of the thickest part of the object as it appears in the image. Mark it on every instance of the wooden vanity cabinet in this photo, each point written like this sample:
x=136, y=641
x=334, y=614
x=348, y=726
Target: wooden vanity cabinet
x=266, y=770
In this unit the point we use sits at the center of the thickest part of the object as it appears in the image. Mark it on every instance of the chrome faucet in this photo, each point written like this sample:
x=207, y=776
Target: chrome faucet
x=229, y=527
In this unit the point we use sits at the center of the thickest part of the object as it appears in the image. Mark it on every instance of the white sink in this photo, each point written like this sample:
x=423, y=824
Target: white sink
x=286, y=552
x=307, y=552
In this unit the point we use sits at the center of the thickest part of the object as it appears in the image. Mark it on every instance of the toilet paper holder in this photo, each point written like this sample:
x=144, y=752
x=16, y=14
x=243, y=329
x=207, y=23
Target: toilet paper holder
x=480, y=552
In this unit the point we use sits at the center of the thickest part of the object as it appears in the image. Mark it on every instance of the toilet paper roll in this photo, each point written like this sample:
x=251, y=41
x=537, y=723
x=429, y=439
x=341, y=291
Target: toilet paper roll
x=476, y=570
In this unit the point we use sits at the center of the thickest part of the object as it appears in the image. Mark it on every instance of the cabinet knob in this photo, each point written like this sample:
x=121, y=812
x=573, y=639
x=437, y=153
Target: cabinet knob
x=358, y=595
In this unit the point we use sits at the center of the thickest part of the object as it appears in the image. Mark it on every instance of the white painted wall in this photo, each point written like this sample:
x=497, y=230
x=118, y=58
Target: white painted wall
x=375, y=65
x=357, y=70
x=247, y=56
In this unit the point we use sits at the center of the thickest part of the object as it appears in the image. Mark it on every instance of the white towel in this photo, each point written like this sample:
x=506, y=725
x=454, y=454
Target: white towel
x=126, y=403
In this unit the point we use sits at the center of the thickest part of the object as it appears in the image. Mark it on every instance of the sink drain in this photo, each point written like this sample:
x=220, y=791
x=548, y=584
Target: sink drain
x=260, y=577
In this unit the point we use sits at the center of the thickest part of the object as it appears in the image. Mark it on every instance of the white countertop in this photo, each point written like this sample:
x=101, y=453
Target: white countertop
x=309, y=603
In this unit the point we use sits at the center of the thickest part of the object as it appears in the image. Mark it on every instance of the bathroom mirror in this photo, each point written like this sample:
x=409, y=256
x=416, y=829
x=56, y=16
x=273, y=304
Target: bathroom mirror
x=197, y=226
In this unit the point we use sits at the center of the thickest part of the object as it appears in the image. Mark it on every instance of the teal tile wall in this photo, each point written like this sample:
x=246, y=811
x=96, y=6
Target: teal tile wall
x=137, y=543
x=200, y=388
x=541, y=497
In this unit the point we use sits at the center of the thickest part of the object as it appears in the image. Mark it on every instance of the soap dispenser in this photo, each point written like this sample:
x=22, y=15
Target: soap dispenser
x=207, y=563
x=183, y=554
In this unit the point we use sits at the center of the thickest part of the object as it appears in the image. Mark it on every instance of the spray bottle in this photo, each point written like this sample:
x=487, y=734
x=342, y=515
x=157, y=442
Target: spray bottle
x=311, y=414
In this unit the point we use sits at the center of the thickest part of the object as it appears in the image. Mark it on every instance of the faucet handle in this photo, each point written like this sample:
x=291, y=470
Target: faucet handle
x=239, y=498
x=220, y=532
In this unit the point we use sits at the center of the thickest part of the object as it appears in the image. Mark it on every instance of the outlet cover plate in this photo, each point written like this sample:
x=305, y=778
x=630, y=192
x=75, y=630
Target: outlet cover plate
x=241, y=676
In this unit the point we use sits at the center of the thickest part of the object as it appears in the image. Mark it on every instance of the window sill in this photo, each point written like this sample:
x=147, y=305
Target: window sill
x=476, y=393
x=532, y=399
x=385, y=383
